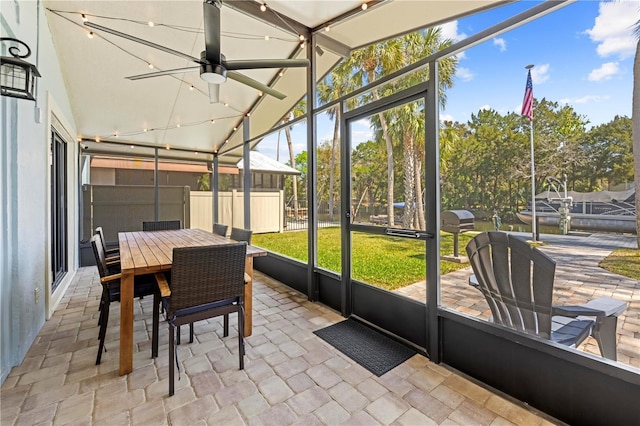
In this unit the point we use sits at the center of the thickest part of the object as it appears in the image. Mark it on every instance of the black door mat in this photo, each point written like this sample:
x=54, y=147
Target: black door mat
x=366, y=346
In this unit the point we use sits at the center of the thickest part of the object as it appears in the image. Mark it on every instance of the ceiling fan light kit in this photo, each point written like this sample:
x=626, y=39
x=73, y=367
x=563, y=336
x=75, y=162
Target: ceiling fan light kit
x=212, y=64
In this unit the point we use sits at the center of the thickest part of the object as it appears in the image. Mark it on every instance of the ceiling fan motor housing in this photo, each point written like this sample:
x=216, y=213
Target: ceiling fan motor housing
x=212, y=73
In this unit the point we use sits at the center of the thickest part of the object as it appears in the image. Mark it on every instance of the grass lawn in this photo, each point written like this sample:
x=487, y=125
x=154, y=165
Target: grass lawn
x=623, y=262
x=388, y=262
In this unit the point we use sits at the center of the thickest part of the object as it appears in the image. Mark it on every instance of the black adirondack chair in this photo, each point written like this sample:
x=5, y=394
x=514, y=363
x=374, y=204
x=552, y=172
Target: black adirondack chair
x=517, y=283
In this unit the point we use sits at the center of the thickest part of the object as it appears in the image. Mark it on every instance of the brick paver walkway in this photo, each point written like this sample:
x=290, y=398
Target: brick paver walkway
x=290, y=376
x=578, y=280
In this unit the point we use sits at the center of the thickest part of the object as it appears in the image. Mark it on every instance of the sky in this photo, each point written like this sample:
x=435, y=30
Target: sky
x=582, y=56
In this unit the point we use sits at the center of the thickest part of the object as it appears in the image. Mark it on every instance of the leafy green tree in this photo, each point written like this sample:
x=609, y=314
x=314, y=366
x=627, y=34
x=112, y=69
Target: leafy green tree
x=610, y=152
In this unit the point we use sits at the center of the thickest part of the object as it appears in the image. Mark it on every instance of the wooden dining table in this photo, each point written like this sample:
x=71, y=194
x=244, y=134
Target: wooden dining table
x=150, y=252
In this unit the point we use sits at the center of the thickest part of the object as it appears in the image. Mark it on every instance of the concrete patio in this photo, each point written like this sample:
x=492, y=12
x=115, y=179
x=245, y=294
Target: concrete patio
x=290, y=376
x=578, y=280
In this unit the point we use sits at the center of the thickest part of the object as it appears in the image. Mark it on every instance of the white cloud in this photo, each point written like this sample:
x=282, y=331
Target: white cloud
x=588, y=99
x=540, y=73
x=446, y=117
x=613, y=28
x=605, y=72
x=464, y=74
x=450, y=31
x=501, y=43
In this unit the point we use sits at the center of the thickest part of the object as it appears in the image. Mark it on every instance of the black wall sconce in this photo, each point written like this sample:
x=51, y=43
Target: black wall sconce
x=17, y=77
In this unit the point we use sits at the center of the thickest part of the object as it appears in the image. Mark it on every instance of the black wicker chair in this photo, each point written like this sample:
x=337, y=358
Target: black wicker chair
x=220, y=229
x=162, y=225
x=206, y=282
x=239, y=234
x=144, y=285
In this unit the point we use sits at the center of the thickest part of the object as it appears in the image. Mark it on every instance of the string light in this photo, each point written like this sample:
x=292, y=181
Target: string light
x=178, y=125
x=196, y=152
x=281, y=73
x=263, y=7
x=150, y=65
x=84, y=18
x=327, y=28
x=90, y=35
x=226, y=104
x=191, y=87
x=132, y=146
x=301, y=37
x=145, y=130
x=213, y=121
x=302, y=45
x=260, y=93
x=266, y=37
x=150, y=23
x=364, y=6
x=167, y=147
x=98, y=139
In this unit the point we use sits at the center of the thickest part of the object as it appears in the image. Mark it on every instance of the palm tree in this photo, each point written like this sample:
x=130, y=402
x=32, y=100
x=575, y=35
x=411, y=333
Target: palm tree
x=299, y=110
x=340, y=83
x=369, y=63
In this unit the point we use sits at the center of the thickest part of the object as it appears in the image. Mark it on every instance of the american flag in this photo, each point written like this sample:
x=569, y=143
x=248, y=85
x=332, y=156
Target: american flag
x=527, y=102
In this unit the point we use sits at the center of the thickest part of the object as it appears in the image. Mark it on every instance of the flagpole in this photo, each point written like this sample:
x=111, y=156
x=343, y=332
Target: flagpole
x=533, y=172
x=533, y=186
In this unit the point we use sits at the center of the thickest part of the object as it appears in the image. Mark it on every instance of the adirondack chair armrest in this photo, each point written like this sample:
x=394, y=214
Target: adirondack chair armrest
x=601, y=307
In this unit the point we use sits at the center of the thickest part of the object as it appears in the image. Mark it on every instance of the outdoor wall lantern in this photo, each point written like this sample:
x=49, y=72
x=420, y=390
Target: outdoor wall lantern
x=17, y=76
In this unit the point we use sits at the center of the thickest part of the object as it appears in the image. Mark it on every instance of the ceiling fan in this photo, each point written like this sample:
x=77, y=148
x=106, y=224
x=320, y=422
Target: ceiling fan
x=213, y=66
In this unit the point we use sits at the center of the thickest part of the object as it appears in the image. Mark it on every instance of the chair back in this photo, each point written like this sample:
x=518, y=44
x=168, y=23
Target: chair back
x=220, y=229
x=516, y=281
x=162, y=225
x=239, y=234
x=101, y=234
x=98, y=252
x=202, y=275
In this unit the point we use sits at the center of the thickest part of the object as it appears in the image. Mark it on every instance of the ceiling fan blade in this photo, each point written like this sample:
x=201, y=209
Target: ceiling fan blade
x=212, y=30
x=214, y=93
x=266, y=63
x=161, y=73
x=241, y=78
x=142, y=41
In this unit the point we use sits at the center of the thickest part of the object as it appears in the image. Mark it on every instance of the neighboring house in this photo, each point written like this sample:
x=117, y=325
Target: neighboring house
x=266, y=173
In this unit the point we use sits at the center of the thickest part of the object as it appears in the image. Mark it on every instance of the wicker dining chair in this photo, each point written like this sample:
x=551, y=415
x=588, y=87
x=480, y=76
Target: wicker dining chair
x=144, y=285
x=220, y=229
x=161, y=225
x=239, y=234
x=206, y=282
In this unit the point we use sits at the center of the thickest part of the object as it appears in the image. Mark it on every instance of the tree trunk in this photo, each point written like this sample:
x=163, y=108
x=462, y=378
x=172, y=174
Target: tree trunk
x=635, y=132
x=294, y=182
x=409, y=181
x=389, y=144
x=332, y=165
x=421, y=222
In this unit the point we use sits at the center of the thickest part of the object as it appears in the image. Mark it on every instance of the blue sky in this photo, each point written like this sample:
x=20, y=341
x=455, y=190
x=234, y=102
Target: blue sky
x=582, y=56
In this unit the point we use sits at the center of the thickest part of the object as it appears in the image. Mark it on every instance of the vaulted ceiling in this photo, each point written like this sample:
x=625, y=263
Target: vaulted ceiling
x=174, y=111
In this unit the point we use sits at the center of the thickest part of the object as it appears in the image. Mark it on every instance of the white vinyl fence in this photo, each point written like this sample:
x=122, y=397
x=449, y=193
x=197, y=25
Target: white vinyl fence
x=267, y=210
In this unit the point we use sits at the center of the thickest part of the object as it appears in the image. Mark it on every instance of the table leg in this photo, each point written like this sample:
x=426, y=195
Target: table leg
x=126, y=323
x=248, y=299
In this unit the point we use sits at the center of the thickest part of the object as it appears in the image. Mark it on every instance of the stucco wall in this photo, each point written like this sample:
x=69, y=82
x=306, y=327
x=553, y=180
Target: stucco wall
x=25, y=299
